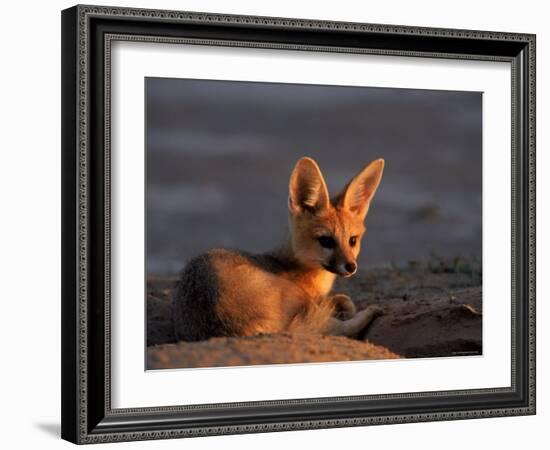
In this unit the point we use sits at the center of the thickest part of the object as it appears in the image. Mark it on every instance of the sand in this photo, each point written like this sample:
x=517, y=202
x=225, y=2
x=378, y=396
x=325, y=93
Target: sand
x=429, y=310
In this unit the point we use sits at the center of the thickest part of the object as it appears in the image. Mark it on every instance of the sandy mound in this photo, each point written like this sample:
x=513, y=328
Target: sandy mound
x=449, y=326
x=264, y=349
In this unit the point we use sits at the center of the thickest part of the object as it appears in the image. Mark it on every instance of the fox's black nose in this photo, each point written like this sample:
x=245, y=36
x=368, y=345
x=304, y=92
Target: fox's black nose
x=350, y=267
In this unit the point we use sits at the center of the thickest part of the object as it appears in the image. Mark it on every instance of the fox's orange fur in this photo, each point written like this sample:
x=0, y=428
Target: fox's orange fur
x=232, y=293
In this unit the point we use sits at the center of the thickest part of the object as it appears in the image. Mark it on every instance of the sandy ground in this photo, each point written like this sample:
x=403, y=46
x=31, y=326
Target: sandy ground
x=430, y=310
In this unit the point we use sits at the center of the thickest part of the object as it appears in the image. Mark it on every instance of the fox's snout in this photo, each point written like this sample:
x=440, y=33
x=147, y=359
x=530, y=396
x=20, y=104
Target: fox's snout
x=341, y=259
x=350, y=268
x=344, y=270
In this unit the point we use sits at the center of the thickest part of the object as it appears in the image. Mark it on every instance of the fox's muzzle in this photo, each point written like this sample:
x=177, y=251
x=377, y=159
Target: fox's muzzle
x=344, y=270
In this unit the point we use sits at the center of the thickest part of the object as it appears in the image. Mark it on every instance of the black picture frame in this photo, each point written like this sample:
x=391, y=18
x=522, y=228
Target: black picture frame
x=87, y=416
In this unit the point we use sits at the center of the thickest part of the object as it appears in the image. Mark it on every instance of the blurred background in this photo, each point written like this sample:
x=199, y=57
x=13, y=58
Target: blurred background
x=220, y=154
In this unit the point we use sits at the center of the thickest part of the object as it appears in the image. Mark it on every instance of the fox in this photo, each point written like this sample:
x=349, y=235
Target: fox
x=232, y=293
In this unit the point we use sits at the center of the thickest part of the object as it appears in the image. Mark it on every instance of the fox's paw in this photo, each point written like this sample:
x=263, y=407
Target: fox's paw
x=375, y=310
x=344, y=308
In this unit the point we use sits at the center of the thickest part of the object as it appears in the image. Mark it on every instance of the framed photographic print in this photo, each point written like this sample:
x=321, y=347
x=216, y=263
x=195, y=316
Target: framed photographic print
x=282, y=224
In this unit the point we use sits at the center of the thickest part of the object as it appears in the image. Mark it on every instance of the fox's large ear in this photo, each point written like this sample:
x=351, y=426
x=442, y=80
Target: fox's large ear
x=307, y=188
x=359, y=192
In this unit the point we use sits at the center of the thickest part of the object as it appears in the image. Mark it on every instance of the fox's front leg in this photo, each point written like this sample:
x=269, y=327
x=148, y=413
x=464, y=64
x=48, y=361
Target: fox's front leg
x=357, y=324
x=344, y=308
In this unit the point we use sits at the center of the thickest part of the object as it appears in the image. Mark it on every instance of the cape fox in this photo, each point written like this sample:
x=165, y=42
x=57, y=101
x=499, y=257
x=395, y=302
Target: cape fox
x=233, y=293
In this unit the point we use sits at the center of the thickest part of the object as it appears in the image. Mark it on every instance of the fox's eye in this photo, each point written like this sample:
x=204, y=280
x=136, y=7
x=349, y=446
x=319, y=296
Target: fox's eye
x=326, y=241
x=353, y=241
